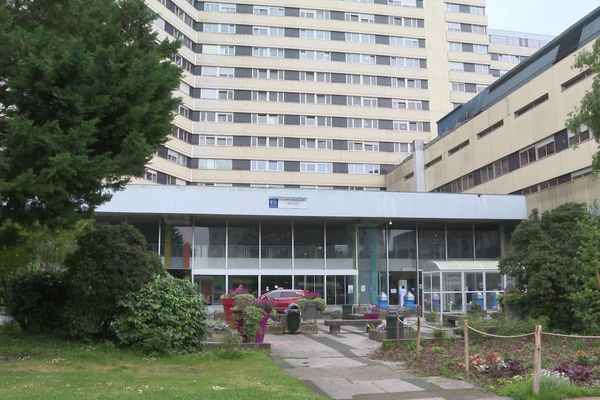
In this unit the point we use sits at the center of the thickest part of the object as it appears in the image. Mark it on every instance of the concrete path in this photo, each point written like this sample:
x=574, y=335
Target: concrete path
x=336, y=366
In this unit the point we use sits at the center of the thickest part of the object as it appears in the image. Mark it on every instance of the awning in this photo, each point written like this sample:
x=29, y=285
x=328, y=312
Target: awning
x=460, y=266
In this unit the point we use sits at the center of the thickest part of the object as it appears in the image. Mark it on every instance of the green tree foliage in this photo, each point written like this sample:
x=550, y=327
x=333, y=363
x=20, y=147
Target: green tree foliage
x=588, y=111
x=33, y=249
x=166, y=315
x=36, y=299
x=110, y=262
x=85, y=98
x=585, y=300
x=544, y=250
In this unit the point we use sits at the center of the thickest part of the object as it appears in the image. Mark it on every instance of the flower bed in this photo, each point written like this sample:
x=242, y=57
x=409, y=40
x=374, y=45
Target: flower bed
x=497, y=362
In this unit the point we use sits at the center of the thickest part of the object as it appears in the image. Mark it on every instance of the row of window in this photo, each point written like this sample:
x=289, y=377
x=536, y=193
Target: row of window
x=314, y=98
x=464, y=87
x=517, y=41
x=537, y=151
x=468, y=47
x=573, y=176
x=314, y=55
x=314, y=34
x=470, y=28
x=469, y=67
x=325, y=77
x=465, y=9
x=510, y=58
x=165, y=179
x=315, y=14
x=280, y=142
x=307, y=120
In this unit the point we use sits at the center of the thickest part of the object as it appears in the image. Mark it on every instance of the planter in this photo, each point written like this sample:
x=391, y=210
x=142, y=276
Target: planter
x=227, y=303
x=217, y=336
x=371, y=315
x=275, y=329
x=310, y=310
x=262, y=329
x=376, y=335
x=278, y=329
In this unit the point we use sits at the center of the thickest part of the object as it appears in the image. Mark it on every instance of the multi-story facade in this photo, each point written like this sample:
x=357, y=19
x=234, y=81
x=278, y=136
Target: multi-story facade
x=508, y=48
x=512, y=138
x=322, y=94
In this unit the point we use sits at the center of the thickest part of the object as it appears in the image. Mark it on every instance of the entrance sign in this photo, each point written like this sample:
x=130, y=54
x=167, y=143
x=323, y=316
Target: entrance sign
x=287, y=202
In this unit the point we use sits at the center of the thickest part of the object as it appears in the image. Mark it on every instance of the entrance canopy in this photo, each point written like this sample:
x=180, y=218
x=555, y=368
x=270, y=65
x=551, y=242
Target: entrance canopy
x=459, y=266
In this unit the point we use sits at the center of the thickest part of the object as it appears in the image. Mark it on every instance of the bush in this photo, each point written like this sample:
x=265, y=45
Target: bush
x=504, y=326
x=166, y=315
x=36, y=299
x=110, y=262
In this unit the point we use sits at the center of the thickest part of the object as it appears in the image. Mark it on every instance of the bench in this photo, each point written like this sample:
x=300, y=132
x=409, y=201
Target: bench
x=336, y=324
x=451, y=319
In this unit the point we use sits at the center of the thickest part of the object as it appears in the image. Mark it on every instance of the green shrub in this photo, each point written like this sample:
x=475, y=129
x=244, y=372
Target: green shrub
x=36, y=299
x=437, y=350
x=550, y=389
x=252, y=317
x=503, y=325
x=166, y=315
x=110, y=262
x=320, y=303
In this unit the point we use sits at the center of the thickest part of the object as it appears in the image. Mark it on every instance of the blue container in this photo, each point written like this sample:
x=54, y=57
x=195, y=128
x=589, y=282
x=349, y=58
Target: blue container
x=383, y=303
x=492, y=301
x=409, y=301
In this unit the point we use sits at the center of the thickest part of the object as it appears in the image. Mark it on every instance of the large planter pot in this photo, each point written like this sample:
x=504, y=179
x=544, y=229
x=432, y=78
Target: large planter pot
x=310, y=310
x=227, y=305
x=262, y=329
x=371, y=315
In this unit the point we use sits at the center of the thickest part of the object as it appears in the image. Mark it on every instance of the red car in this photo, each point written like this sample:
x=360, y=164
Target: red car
x=282, y=298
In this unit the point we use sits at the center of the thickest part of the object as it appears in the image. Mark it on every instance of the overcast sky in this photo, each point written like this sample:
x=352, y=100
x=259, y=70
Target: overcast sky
x=549, y=17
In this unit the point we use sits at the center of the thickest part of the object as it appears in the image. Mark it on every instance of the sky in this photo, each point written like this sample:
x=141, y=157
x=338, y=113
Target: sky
x=549, y=17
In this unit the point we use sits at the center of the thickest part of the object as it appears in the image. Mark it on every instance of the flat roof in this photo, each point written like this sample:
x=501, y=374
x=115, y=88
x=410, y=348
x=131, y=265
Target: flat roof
x=261, y=202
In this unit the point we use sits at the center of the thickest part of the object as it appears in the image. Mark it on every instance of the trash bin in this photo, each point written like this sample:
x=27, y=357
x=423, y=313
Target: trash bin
x=292, y=318
x=390, y=327
x=383, y=302
x=409, y=301
x=346, y=311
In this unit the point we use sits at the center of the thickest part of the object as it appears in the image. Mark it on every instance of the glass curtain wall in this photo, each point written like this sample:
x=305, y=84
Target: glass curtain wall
x=243, y=245
x=209, y=245
x=432, y=243
x=372, y=266
x=309, y=246
x=276, y=245
x=402, y=258
x=340, y=245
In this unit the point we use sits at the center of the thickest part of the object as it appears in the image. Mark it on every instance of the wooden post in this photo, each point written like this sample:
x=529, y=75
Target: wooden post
x=537, y=360
x=418, y=336
x=466, y=339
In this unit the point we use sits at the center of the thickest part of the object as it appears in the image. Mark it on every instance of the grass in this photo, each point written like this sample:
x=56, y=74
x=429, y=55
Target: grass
x=550, y=389
x=46, y=367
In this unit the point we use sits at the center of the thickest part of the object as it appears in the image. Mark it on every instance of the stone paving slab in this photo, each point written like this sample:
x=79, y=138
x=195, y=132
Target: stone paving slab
x=448, y=384
x=337, y=366
x=324, y=362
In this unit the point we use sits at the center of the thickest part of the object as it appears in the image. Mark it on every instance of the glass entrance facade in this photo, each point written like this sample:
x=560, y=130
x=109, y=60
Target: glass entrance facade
x=345, y=260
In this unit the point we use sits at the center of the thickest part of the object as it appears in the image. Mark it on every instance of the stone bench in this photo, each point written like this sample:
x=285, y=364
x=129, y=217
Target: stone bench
x=451, y=319
x=336, y=324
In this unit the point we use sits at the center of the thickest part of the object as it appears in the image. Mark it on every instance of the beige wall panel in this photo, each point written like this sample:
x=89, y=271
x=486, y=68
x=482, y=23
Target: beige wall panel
x=170, y=168
x=466, y=18
x=515, y=50
x=467, y=37
x=470, y=77
x=585, y=190
x=477, y=58
x=343, y=6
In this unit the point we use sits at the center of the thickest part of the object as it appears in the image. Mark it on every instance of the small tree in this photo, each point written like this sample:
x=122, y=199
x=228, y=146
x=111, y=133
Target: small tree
x=110, y=262
x=166, y=315
x=585, y=300
x=543, y=255
x=588, y=111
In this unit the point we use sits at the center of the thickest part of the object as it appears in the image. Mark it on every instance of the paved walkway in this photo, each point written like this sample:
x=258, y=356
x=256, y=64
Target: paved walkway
x=336, y=366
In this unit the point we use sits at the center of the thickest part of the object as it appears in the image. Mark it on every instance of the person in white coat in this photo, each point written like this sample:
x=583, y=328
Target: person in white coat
x=402, y=294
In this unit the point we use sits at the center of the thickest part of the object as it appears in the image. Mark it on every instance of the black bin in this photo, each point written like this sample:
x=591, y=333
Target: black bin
x=390, y=330
x=346, y=311
x=292, y=318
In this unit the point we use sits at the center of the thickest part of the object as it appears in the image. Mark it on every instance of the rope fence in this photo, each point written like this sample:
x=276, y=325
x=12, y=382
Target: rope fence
x=537, y=355
x=537, y=334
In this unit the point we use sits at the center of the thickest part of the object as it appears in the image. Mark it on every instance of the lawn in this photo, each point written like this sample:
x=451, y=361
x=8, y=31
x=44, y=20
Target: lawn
x=46, y=367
